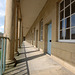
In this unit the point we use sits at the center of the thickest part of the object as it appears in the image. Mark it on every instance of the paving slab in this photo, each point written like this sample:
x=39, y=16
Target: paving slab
x=31, y=61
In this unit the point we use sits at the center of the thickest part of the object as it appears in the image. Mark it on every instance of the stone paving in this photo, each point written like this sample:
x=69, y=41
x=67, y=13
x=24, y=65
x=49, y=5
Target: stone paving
x=31, y=61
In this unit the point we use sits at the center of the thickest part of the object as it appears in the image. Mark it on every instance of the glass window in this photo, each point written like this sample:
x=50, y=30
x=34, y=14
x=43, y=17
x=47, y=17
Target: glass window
x=73, y=33
x=41, y=30
x=73, y=8
x=67, y=11
x=73, y=20
x=67, y=21
x=62, y=24
x=67, y=34
x=61, y=15
x=61, y=5
x=61, y=35
x=34, y=34
x=67, y=2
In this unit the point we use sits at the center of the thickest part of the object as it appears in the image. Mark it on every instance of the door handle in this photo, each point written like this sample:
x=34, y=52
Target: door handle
x=50, y=40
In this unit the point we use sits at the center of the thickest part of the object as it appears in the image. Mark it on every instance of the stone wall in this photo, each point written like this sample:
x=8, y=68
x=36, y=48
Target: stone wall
x=49, y=14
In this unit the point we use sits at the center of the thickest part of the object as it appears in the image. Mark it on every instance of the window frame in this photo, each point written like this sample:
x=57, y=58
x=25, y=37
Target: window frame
x=65, y=40
x=34, y=34
x=41, y=29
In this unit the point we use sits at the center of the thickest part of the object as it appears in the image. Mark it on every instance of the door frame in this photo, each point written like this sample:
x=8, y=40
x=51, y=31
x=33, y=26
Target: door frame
x=37, y=38
x=46, y=36
x=49, y=38
x=32, y=38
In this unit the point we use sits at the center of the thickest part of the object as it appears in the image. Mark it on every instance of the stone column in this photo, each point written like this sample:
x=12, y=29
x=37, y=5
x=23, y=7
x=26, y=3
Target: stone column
x=16, y=49
x=20, y=33
x=15, y=28
x=9, y=30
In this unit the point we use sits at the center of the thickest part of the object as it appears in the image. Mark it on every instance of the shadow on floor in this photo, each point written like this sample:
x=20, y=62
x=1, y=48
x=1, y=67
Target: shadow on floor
x=30, y=58
x=29, y=52
x=22, y=67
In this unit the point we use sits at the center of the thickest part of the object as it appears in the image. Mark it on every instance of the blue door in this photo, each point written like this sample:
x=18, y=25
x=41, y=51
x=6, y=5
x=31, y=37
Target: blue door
x=49, y=39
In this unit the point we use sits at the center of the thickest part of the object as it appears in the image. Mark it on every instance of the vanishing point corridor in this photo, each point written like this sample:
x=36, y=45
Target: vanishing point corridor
x=31, y=61
x=38, y=38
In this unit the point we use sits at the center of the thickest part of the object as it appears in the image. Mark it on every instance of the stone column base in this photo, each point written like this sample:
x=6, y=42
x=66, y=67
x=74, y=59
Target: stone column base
x=11, y=63
x=17, y=53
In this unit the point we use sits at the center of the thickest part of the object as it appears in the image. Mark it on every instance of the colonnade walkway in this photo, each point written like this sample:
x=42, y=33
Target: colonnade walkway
x=31, y=61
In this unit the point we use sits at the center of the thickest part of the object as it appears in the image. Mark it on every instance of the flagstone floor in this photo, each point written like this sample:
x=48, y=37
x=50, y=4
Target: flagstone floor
x=31, y=61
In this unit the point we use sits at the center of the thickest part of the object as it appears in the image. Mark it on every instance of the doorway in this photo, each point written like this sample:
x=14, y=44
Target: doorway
x=37, y=38
x=49, y=38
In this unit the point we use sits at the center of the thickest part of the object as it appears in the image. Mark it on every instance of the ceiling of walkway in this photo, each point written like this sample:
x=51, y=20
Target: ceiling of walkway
x=30, y=9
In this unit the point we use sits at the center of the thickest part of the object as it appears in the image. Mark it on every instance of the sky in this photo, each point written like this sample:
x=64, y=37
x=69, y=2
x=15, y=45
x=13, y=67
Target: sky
x=2, y=14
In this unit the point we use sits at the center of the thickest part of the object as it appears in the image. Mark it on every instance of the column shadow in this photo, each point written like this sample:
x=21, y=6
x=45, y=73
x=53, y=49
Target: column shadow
x=22, y=67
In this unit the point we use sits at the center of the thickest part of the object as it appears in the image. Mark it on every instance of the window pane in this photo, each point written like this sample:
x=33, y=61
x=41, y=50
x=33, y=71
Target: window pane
x=73, y=33
x=61, y=15
x=61, y=35
x=67, y=22
x=40, y=38
x=73, y=8
x=34, y=33
x=41, y=33
x=41, y=30
x=73, y=20
x=41, y=27
x=62, y=24
x=67, y=2
x=72, y=0
x=61, y=5
x=67, y=34
x=67, y=11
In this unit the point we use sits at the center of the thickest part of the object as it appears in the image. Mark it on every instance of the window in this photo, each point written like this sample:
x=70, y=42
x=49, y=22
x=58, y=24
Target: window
x=41, y=30
x=67, y=21
x=34, y=34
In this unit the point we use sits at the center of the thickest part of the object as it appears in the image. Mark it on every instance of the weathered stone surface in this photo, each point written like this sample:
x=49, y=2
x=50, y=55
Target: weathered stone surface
x=34, y=62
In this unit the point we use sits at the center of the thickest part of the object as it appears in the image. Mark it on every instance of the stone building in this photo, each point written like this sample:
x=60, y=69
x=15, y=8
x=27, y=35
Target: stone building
x=48, y=25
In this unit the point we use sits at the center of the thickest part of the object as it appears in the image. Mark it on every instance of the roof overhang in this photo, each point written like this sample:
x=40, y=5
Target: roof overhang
x=30, y=10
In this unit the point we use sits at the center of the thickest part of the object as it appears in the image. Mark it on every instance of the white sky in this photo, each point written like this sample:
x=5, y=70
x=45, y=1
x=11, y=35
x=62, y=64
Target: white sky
x=2, y=14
